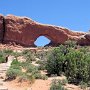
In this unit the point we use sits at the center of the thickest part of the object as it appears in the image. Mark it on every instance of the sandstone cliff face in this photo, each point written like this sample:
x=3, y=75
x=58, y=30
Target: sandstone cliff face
x=24, y=31
x=1, y=27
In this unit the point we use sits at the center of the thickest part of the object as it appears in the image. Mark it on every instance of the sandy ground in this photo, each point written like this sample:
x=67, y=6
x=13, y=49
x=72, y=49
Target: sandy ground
x=41, y=85
x=37, y=85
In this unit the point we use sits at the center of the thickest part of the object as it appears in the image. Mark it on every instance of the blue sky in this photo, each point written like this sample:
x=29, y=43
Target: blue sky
x=72, y=14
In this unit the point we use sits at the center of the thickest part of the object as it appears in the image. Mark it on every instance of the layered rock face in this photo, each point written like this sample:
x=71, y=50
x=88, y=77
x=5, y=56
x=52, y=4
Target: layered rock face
x=24, y=31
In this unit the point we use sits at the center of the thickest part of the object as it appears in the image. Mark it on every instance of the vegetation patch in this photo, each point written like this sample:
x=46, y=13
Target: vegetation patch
x=73, y=62
x=30, y=73
x=57, y=85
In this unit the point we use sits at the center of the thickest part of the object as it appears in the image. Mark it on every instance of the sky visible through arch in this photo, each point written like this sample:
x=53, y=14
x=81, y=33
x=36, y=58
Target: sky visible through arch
x=72, y=14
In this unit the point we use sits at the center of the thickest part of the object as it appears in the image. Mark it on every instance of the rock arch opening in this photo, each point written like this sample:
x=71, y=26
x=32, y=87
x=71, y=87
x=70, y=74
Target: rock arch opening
x=42, y=41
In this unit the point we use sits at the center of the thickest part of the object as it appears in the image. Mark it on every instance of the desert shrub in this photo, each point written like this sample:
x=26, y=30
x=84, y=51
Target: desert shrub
x=55, y=60
x=28, y=55
x=38, y=62
x=83, y=85
x=70, y=43
x=15, y=62
x=40, y=76
x=31, y=72
x=74, y=63
x=14, y=70
x=2, y=59
x=84, y=49
x=32, y=69
x=37, y=75
x=42, y=55
x=64, y=81
x=24, y=52
x=42, y=65
x=12, y=73
x=16, y=54
x=24, y=64
x=23, y=77
x=31, y=78
x=15, y=67
x=57, y=85
x=72, y=59
x=8, y=51
x=44, y=77
x=77, y=68
x=26, y=77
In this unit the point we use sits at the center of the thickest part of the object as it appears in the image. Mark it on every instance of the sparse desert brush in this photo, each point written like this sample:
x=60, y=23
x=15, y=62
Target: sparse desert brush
x=12, y=73
x=57, y=85
x=31, y=72
x=64, y=81
x=40, y=76
x=83, y=85
x=28, y=55
x=7, y=51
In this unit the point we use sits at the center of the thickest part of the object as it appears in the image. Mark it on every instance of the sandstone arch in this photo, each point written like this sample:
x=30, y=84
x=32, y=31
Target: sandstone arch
x=24, y=31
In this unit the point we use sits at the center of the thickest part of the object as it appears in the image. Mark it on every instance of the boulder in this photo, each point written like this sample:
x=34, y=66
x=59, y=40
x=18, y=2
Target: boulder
x=87, y=36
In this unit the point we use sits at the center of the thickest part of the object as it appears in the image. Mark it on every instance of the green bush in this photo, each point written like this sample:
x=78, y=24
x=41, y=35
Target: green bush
x=14, y=70
x=15, y=67
x=8, y=51
x=15, y=62
x=42, y=55
x=16, y=54
x=44, y=77
x=37, y=75
x=77, y=67
x=42, y=65
x=40, y=76
x=57, y=85
x=83, y=85
x=70, y=43
x=12, y=73
x=74, y=63
x=24, y=64
x=28, y=55
x=2, y=59
x=32, y=69
x=26, y=77
x=23, y=77
x=64, y=81
x=55, y=60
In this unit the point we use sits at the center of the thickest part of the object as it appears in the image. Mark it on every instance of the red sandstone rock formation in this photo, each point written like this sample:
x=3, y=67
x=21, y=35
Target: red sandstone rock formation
x=1, y=27
x=24, y=31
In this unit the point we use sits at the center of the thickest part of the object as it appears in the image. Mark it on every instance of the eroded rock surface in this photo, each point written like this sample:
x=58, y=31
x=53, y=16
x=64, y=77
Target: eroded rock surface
x=25, y=31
